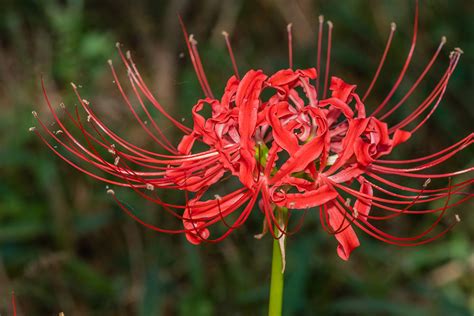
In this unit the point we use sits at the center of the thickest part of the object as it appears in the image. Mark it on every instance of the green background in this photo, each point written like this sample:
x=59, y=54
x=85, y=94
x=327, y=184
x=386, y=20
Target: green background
x=66, y=246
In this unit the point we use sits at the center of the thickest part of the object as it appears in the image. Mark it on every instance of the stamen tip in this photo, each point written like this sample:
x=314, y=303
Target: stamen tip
x=128, y=54
x=117, y=44
x=109, y=62
x=428, y=181
x=330, y=25
x=150, y=186
x=443, y=39
x=112, y=149
x=225, y=33
x=458, y=219
x=111, y=192
x=321, y=18
x=35, y=114
x=456, y=53
x=32, y=129
x=192, y=40
x=289, y=26
x=73, y=85
x=117, y=160
x=393, y=26
x=62, y=105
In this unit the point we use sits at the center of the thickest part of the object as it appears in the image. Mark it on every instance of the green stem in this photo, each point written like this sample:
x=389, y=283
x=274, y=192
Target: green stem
x=276, y=285
x=278, y=262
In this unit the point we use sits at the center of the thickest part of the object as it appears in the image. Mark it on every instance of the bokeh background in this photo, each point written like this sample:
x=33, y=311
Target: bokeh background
x=66, y=246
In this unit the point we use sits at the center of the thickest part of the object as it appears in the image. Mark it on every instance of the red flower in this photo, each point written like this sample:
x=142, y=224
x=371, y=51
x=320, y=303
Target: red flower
x=296, y=149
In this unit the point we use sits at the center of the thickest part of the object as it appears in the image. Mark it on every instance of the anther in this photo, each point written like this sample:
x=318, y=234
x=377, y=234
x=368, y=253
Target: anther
x=217, y=197
x=150, y=186
x=192, y=40
x=393, y=26
x=32, y=129
x=109, y=62
x=289, y=26
x=456, y=53
x=443, y=39
x=112, y=149
x=330, y=25
x=117, y=44
x=59, y=131
x=321, y=18
x=35, y=114
x=117, y=160
x=225, y=33
x=291, y=204
x=73, y=85
x=458, y=219
x=62, y=105
x=111, y=192
x=428, y=181
x=85, y=102
x=128, y=54
x=356, y=213
x=348, y=202
x=89, y=117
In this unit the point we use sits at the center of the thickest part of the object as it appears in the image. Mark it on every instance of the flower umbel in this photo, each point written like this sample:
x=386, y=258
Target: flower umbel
x=296, y=141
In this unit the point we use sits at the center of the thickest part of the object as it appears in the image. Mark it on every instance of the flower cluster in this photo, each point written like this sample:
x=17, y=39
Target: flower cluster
x=291, y=145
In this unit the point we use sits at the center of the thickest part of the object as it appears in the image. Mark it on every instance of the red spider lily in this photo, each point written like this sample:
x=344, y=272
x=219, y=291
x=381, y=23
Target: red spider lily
x=300, y=148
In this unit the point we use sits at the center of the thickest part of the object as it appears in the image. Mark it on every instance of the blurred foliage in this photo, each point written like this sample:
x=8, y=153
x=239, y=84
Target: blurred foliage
x=65, y=246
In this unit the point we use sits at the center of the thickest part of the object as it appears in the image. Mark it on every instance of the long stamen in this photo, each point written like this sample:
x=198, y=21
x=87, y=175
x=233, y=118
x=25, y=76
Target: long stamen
x=194, y=60
x=328, y=59
x=393, y=27
x=150, y=118
x=462, y=143
x=318, y=60
x=231, y=54
x=290, y=45
x=132, y=68
x=456, y=57
x=132, y=110
x=194, y=43
x=417, y=82
x=405, y=66
x=426, y=102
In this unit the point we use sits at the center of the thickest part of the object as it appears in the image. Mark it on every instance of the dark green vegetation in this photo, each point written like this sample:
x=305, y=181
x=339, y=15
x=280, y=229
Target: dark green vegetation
x=66, y=246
